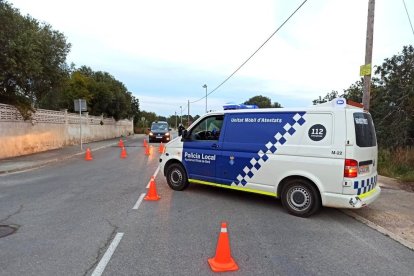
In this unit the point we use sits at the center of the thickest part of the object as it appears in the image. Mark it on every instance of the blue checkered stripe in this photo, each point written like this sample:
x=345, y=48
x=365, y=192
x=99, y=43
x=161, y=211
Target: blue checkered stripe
x=271, y=147
x=366, y=185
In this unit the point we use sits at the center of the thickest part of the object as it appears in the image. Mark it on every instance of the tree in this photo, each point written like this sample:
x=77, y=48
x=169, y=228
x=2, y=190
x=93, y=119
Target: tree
x=262, y=102
x=75, y=87
x=394, y=99
x=34, y=73
x=102, y=92
x=149, y=118
x=276, y=105
x=328, y=97
x=172, y=119
x=32, y=59
x=355, y=91
x=136, y=114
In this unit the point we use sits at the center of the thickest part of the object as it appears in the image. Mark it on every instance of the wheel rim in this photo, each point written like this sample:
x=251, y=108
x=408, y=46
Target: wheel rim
x=299, y=198
x=176, y=177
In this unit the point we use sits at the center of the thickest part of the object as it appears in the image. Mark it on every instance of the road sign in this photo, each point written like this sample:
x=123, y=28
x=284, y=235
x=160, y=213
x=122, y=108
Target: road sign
x=365, y=70
x=81, y=103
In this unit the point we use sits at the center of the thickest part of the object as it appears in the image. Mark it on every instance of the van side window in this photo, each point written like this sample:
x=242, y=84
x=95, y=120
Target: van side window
x=207, y=129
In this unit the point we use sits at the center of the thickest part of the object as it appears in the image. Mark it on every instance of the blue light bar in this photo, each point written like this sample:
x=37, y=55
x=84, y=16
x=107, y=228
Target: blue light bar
x=239, y=106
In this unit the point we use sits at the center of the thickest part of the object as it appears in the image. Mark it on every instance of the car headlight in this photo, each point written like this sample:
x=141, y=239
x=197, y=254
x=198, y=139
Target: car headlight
x=151, y=134
x=167, y=134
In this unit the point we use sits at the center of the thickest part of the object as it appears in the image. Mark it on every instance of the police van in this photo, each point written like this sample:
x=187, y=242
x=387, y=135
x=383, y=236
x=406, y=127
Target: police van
x=324, y=155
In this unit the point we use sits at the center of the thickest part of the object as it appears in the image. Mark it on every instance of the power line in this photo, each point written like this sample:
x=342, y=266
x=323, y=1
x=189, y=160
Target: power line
x=261, y=46
x=408, y=15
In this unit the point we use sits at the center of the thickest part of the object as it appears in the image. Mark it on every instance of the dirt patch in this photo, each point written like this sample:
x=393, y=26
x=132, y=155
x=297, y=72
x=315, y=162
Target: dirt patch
x=393, y=184
x=407, y=186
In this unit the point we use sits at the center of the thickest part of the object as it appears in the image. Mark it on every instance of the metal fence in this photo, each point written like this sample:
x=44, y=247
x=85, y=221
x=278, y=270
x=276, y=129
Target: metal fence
x=9, y=113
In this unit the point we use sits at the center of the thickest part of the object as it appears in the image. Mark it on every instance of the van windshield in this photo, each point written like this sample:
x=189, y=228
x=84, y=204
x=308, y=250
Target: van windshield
x=159, y=127
x=364, y=130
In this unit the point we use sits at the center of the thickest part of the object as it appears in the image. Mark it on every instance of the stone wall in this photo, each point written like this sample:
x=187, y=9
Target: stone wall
x=53, y=129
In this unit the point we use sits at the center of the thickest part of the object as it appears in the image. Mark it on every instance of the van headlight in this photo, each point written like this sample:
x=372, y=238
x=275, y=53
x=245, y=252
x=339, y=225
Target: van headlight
x=167, y=134
x=151, y=134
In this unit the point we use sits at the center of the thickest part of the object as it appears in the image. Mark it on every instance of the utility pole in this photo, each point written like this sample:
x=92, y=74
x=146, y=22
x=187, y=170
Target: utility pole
x=181, y=114
x=205, y=86
x=188, y=116
x=80, y=118
x=175, y=115
x=368, y=53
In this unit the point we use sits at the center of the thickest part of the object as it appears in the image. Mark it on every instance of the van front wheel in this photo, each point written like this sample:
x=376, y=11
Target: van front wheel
x=300, y=198
x=177, y=177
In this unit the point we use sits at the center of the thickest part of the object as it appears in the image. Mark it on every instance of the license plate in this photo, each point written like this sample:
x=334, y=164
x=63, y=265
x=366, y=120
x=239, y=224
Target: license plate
x=364, y=169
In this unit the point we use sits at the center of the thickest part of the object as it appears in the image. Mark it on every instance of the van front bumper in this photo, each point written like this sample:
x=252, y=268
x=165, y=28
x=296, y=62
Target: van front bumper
x=350, y=201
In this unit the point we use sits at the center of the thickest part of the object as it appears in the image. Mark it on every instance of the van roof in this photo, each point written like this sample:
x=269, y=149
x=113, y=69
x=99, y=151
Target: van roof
x=335, y=104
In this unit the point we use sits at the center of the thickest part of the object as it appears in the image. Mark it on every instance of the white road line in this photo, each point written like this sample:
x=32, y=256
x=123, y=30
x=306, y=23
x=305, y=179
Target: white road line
x=380, y=229
x=141, y=197
x=154, y=175
x=156, y=172
x=99, y=269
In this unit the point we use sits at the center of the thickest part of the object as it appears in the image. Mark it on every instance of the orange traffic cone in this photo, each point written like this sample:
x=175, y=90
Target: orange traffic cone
x=88, y=155
x=145, y=143
x=120, y=143
x=223, y=260
x=152, y=191
x=123, y=153
x=147, y=150
x=161, y=149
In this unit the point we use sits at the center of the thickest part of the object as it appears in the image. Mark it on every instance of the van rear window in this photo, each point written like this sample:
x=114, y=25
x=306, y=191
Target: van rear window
x=364, y=130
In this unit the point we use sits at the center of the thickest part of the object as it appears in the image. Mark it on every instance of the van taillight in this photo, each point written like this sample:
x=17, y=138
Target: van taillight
x=351, y=168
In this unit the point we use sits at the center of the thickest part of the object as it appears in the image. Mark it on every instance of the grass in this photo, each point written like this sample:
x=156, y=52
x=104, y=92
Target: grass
x=397, y=163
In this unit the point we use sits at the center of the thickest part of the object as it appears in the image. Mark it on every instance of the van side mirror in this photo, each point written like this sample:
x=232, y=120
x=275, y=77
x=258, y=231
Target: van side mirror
x=169, y=129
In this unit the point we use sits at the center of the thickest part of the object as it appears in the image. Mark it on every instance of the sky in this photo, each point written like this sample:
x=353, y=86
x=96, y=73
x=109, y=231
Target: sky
x=165, y=51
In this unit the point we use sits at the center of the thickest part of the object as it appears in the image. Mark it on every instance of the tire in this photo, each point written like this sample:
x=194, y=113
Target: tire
x=177, y=177
x=300, y=198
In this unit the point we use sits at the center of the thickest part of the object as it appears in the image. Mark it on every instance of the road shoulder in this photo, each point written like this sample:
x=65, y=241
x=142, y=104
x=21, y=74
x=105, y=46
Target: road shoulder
x=37, y=160
x=392, y=214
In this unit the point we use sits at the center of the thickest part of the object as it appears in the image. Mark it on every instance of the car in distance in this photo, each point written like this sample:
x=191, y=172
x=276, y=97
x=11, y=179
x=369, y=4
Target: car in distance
x=159, y=131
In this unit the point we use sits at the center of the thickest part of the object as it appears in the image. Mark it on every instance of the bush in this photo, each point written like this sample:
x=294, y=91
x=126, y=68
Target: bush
x=140, y=130
x=398, y=163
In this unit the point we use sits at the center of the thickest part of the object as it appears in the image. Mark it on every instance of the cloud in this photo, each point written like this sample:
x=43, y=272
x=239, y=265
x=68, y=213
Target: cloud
x=166, y=50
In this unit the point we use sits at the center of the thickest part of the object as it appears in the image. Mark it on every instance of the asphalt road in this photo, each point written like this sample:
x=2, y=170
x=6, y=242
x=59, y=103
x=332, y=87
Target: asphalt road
x=68, y=214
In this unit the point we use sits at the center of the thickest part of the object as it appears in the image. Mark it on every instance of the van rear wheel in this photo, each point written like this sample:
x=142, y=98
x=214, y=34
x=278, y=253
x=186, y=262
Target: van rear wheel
x=177, y=177
x=300, y=197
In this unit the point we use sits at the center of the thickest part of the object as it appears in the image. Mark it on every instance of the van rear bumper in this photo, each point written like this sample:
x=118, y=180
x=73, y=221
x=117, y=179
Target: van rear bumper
x=350, y=201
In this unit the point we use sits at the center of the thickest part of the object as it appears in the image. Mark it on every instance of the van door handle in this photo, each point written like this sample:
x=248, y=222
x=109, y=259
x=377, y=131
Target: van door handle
x=215, y=146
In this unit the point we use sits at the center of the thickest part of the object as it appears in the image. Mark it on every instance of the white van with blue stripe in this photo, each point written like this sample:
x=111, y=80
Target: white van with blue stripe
x=322, y=155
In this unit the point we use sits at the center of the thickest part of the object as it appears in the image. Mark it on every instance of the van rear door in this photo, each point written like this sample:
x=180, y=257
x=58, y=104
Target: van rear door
x=361, y=147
